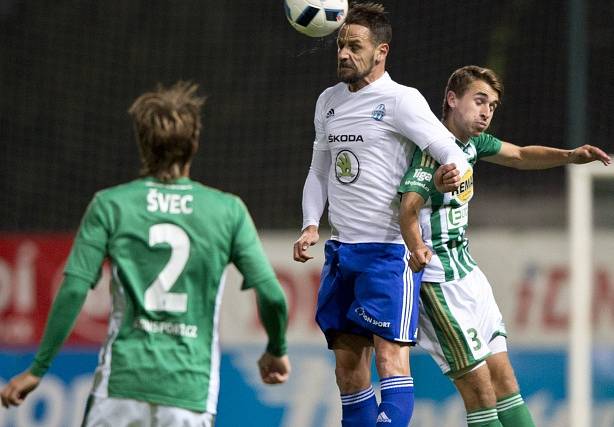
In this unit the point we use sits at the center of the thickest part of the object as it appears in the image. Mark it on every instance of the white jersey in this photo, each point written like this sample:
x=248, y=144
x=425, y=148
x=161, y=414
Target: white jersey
x=367, y=138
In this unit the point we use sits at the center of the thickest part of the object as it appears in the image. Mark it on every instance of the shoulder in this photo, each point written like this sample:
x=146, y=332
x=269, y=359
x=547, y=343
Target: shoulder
x=409, y=94
x=486, y=144
x=118, y=191
x=216, y=194
x=330, y=92
x=485, y=139
x=406, y=98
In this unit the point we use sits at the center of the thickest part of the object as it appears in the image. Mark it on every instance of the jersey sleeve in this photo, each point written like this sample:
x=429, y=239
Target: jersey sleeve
x=249, y=257
x=319, y=142
x=415, y=120
x=487, y=145
x=90, y=246
x=315, y=190
x=62, y=317
x=247, y=252
x=419, y=175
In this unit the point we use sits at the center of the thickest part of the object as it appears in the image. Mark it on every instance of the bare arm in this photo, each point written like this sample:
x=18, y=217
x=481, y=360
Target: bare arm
x=541, y=157
x=410, y=229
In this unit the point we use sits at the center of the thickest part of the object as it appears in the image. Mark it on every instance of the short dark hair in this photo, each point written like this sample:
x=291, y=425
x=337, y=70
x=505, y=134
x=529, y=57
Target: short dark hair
x=167, y=125
x=373, y=16
x=461, y=79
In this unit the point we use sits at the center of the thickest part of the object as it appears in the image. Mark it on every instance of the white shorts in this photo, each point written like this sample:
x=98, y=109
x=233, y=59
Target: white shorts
x=459, y=321
x=114, y=412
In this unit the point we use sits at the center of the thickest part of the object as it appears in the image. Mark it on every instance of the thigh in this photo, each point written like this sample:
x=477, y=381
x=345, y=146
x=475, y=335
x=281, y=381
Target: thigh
x=336, y=296
x=116, y=412
x=387, y=295
x=169, y=416
x=458, y=321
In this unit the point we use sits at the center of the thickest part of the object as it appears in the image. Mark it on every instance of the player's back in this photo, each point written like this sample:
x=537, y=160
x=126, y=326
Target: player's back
x=169, y=245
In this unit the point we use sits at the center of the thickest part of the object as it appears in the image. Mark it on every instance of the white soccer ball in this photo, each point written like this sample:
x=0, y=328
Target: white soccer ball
x=316, y=18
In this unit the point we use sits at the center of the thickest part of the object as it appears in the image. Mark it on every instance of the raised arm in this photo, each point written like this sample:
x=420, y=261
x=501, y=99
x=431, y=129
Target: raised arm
x=541, y=157
x=418, y=123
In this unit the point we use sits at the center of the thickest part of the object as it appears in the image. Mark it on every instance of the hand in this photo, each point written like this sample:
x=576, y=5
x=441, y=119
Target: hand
x=447, y=178
x=419, y=258
x=18, y=388
x=274, y=370
x=308, y=238
x=588, y=153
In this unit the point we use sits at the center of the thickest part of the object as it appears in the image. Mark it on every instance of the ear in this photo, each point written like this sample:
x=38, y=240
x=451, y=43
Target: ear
x=451, y=99
x=381, y=52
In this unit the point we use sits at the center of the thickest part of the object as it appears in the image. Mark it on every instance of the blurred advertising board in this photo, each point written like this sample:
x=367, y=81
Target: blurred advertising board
x=528, y=271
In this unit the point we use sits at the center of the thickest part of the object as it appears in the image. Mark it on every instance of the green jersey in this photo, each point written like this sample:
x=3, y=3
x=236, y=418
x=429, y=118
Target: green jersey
x=444, y=221
x=169, y=246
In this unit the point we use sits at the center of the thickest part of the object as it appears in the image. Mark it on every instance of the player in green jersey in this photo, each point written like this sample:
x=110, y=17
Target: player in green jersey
x=169, y=240
x=461, y=325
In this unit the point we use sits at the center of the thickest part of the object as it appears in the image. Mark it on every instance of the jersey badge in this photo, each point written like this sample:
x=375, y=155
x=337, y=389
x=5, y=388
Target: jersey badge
x=379, y=113
x=347, y=167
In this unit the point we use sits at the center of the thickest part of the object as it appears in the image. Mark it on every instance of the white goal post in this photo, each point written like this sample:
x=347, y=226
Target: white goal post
x=580, y=208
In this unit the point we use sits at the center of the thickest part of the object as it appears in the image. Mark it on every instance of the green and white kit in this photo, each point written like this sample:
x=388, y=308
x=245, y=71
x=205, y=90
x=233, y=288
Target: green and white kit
x=459, y=316
x=169, y=246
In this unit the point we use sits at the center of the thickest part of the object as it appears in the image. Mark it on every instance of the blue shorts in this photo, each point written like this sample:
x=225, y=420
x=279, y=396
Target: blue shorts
x=366, y=289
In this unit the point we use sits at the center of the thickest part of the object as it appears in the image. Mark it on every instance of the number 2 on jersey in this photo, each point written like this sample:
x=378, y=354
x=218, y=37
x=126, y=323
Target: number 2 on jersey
x=158, y=296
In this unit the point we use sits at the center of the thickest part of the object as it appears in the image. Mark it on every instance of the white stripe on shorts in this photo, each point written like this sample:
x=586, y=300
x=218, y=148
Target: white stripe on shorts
x=408, y=294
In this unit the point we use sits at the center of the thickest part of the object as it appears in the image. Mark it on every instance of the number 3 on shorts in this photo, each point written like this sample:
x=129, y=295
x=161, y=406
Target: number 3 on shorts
x=158, y=296
x=474, y=337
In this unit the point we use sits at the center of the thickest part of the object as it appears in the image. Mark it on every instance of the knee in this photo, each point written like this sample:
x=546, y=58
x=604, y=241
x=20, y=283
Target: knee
x=352, y=379
x=505, y=385
x=476, y=389
x=390, y=365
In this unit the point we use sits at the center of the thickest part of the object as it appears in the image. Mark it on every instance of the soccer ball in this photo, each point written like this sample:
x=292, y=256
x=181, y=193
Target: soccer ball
x=316, y=18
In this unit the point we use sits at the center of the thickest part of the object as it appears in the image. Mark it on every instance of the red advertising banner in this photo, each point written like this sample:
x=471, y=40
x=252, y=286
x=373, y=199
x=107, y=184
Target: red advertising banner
x=31, y=270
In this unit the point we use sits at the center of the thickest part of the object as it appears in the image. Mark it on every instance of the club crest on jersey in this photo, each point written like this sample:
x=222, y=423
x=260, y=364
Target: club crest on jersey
x=379, y=112
x=347, y=167
x=331, y=113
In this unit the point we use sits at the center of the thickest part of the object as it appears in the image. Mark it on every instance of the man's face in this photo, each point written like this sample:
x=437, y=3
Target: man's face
x=356, y=53
x=474, y=110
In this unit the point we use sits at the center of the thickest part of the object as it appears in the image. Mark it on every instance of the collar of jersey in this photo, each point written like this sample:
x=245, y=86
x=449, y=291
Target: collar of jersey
x=181, y=180
x=371, y=86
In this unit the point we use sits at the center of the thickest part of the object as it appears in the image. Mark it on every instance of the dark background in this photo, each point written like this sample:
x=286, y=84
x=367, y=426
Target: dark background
x=70, y=69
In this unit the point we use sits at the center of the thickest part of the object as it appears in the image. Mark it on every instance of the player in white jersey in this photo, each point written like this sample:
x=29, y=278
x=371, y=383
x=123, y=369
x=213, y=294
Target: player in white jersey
x=461, y=324
x=367, y=127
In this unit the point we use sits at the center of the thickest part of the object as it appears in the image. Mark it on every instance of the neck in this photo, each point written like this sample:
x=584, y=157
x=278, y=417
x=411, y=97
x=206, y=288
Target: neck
x=367, y=80
x=457, y=131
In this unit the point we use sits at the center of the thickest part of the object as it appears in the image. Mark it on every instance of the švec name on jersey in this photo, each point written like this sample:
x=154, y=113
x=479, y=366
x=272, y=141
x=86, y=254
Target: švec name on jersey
x=169, y=202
